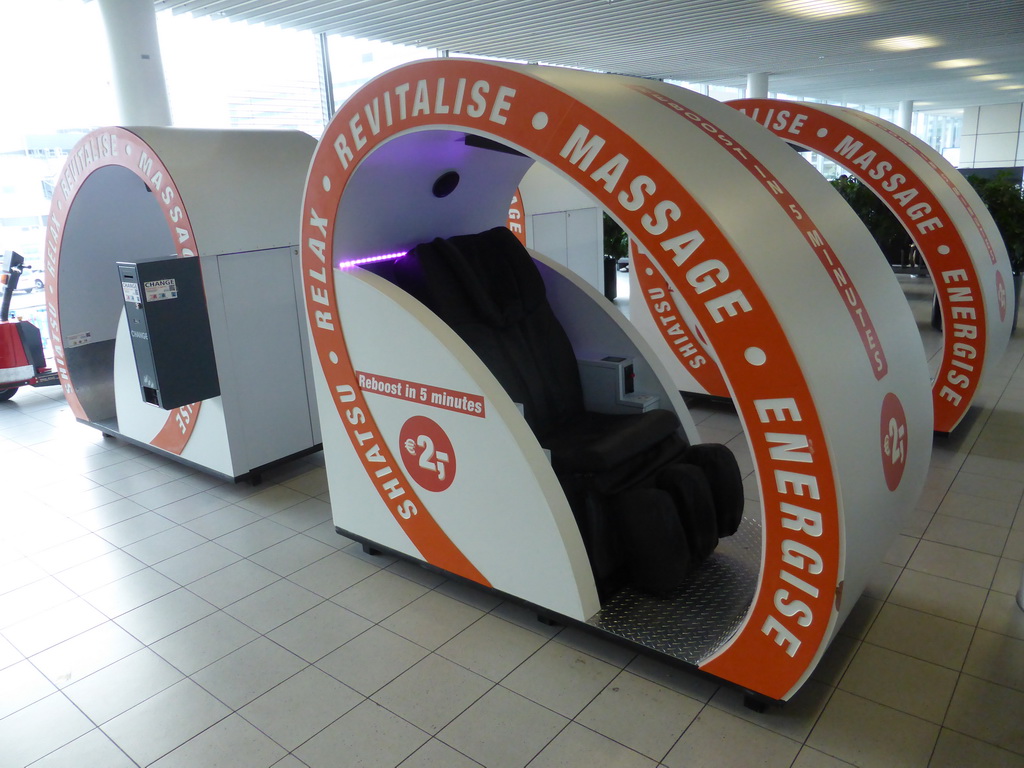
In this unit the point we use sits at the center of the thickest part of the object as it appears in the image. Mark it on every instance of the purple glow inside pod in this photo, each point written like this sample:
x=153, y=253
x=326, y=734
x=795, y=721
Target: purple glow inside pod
x=369, y=259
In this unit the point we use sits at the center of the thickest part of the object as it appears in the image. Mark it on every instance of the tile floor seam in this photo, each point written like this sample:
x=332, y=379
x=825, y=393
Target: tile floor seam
x=821, y=713
x=448, y=746
x=71, y=701
x=767, y=713
x=60, y=687
x=986, y=681
x=449, y=722
x=679, y=738
x=178, y=746
x=534, y=701
x=95, y=728
x=959, y=676
x=384, y=685
x=186, y=585
x=188, y=675
x=233, y=708
x=950, y=578
x=548, y=743
x=532, y=655
x=975, y=737
x=938, y=727
x=313, y=735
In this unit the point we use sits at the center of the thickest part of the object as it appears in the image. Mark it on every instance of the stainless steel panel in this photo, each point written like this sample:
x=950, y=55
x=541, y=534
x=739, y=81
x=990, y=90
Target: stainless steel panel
x=703, y=614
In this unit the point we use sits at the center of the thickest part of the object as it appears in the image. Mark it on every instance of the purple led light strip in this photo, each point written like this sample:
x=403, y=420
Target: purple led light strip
x=368, y=259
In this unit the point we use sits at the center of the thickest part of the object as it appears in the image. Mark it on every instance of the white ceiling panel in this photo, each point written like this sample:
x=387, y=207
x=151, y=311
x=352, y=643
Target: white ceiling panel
x=714, y=41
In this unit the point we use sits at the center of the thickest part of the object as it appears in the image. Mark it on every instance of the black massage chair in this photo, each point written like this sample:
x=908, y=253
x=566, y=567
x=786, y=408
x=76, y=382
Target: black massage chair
x=649, y=506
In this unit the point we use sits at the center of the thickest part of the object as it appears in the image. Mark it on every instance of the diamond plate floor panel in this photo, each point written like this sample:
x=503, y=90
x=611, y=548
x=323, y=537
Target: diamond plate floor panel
x=703, y=613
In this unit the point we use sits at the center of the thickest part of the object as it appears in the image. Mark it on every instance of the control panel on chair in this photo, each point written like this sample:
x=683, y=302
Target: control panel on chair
x=608, y=386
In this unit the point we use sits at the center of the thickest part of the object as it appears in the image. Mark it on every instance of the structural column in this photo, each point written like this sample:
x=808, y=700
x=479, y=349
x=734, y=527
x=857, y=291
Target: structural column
x=757, y=85
x=905, y=114
x=135, y=57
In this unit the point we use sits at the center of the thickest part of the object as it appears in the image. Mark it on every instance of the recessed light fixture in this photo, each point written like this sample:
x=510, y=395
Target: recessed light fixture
x=958, y=63
x=989, y=77
x=822, y=9
x=1010, y=87
x=906, y=43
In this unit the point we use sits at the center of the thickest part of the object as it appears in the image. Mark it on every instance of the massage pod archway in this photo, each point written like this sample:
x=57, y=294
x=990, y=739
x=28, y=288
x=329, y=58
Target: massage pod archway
x=950, y=225
x=225, y=199
x=833, y=401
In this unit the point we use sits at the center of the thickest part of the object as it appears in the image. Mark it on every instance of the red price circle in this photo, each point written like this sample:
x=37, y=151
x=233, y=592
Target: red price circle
x=427, y=453
x=894, y=440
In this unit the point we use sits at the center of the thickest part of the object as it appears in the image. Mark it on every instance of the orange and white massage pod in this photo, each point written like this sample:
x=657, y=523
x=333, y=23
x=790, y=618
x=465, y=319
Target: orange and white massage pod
x=226, y=199
x=428, y=457
x=953, y=230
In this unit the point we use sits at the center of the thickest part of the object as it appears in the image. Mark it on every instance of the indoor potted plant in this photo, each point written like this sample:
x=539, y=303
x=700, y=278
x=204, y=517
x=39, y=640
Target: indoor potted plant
x=616, y=247
x=1003, y=195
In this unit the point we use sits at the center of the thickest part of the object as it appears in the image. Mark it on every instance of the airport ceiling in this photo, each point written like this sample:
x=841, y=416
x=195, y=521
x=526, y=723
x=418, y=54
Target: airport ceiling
x=939, y=53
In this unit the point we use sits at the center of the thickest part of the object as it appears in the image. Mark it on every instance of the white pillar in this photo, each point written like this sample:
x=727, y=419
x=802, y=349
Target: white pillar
x=905, y=114
x=757, y=85
x=135, y=57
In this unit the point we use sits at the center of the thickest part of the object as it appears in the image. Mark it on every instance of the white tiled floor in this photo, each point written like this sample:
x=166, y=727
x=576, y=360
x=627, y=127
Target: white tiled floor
x=152, y=616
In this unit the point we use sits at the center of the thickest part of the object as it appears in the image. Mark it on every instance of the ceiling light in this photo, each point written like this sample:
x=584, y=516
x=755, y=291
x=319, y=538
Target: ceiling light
x=822, y=9
x=958, y=63
x=1010, y=87
x=985, y=78
x=905, y=43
